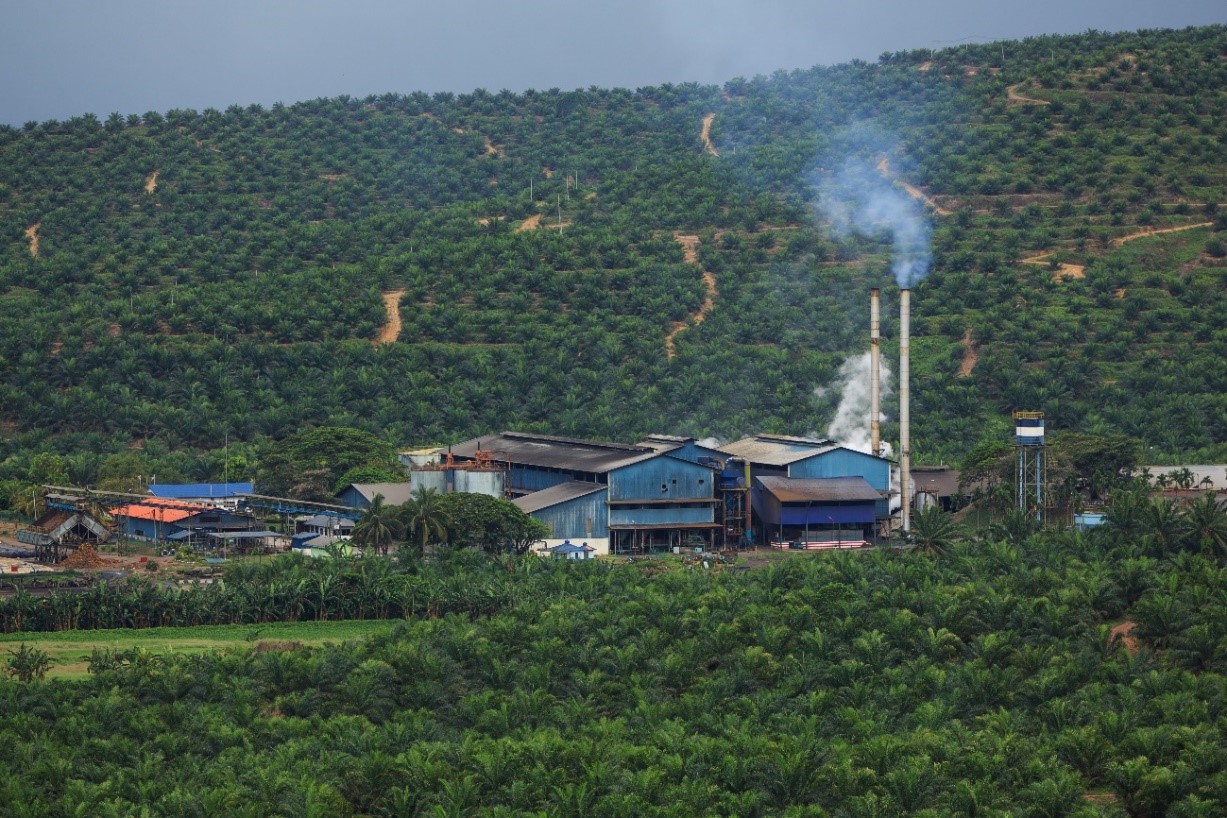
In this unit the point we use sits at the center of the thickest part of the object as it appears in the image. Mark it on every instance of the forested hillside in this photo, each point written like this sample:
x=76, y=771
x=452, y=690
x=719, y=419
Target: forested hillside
x=170, y=281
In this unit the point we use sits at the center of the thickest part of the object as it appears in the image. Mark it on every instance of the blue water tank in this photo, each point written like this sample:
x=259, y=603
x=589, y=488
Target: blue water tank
x=1029, y=428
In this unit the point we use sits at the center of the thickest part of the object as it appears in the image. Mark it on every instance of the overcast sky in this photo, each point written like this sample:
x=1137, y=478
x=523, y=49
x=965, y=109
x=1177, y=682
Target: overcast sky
x=62, y=58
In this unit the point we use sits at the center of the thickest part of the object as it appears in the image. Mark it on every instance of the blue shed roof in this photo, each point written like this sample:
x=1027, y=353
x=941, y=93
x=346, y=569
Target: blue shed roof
x=569, y=547
x=555, y=495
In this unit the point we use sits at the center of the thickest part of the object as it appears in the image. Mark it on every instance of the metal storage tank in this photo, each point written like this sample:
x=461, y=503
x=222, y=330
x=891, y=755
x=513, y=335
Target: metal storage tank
x=490, y=482
x=429, y=478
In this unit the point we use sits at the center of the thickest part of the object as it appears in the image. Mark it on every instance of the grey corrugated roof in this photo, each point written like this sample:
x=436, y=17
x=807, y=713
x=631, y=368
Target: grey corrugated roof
x=394, y=494
x=547, y=451
x=778, y=450
x=820, y=489
x=941, y=480
x=327, y=521
x=664, y=443
x=555, y=495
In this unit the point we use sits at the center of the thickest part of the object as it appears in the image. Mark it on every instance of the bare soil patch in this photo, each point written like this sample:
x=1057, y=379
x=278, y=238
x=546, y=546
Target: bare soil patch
x=925, y=66
x=333, y=177
x=531, y=223
x=391, y=328
x=705, y=135
x=971, y=355
x=1123, y=633
x=1141, y=234
x=1064, y=272
x=32, y=234
x=491, y=148
x=690, y=246
x=151, y=182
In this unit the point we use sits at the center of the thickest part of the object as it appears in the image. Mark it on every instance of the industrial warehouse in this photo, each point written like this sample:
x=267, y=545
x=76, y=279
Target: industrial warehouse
x=665, y=493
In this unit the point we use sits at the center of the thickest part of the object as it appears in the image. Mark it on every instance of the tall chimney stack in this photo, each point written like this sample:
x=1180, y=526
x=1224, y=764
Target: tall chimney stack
x=905, y=411
x=875, y=357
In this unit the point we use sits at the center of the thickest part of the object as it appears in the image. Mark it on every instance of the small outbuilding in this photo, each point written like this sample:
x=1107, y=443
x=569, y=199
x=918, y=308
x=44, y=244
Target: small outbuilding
x=570, y=551
x=361, y=495
x=817, y=511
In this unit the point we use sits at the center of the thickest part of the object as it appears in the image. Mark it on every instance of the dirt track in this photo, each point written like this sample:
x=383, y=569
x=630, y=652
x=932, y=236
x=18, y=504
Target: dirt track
x=705, y=135
x=1064, y=272
x=1141, y=234
x=914, y=192
x=971, y=356
x=1013, y=96
x=690, y=254
x=391, y=330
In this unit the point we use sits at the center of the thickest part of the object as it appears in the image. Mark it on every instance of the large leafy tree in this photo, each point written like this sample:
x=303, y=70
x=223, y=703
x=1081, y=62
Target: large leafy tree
x=328, y=453
x=490, y=523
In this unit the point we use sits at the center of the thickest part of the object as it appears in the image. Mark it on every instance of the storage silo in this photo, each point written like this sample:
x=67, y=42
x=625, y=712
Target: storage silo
x=490, y=482
x=429, y=478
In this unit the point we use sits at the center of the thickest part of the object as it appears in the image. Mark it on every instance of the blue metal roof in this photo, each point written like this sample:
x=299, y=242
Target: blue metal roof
x=193, y=491
x=569, y=547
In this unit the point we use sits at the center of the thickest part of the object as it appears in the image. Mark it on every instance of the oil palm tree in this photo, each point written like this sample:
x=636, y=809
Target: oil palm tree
x=423, y=518
x=1205, y=524
x=377, y=528
x=934, y=531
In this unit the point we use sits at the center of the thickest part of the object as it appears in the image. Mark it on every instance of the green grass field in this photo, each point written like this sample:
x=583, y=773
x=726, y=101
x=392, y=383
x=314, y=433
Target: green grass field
x=70, y=650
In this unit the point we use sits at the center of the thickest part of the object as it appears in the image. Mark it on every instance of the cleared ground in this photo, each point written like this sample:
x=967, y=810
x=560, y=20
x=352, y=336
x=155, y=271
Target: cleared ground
x=71, y=650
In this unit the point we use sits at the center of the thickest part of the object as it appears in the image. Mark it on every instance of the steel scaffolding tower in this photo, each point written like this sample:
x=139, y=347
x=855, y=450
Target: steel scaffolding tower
x=1029, y=442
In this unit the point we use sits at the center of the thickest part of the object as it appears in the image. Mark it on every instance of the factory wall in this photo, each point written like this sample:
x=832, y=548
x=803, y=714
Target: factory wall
x=581, y=519
x=649, y=515
x=527, y=479
x=662, y=478
x=692, y=451
x=844, y=463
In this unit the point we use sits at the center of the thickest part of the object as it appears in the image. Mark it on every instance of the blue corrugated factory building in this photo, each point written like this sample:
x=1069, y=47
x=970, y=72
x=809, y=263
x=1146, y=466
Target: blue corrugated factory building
x=806, y=459
x=652, y=499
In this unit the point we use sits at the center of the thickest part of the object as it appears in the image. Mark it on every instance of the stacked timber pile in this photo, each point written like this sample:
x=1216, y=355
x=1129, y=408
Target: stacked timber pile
x=84, y=557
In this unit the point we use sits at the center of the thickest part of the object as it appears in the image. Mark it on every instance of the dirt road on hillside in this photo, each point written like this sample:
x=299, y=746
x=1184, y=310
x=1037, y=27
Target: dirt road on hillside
x=1141, y=234
x=914, y=192
x=690, y=253
x=391, y=328
x=705, y=135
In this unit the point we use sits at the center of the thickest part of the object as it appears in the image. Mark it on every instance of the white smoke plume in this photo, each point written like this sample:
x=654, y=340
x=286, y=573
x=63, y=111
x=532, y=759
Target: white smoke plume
x=860, y=199
x=851, y=424
x=711, y=442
